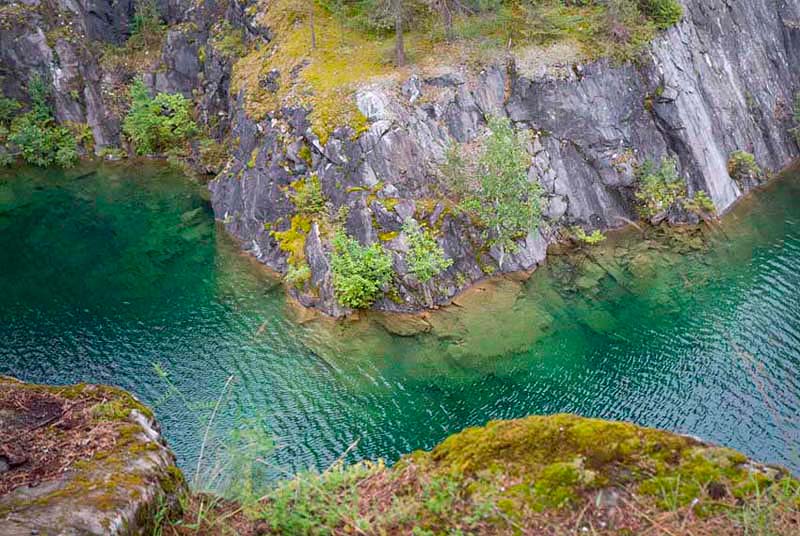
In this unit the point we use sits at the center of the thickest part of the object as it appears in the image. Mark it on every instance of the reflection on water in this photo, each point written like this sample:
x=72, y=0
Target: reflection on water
x=104, y=274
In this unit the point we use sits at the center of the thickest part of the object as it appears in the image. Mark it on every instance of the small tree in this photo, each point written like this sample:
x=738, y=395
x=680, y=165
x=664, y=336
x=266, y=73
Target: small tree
x=506, y=202
x=359, y=272
x=425, y=257
x=659, y=187
x=159, y=124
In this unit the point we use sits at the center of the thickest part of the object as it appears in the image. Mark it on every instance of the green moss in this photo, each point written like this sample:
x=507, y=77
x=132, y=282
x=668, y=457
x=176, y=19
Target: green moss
x=388, y=236
x=556, y=485
x=114, y=410
x=253, y=156
x=293, y=240
x=305, y=154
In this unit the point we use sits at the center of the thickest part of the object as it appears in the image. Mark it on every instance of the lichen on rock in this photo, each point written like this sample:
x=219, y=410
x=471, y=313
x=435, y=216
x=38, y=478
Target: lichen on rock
x=81, y=459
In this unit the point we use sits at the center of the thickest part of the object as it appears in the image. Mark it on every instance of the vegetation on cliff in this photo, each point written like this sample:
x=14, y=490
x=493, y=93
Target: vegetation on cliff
x=360, y=273
x=160, y=124
x=35, y=134
x=505, y=201
x=321, y=52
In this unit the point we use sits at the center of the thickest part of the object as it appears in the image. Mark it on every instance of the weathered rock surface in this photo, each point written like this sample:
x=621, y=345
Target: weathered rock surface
x=720, y=81
x=82, y=459
x=68, y=44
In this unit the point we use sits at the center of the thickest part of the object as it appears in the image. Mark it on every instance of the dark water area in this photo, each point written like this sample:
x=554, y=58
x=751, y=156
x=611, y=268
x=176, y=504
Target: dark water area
x=108, y=271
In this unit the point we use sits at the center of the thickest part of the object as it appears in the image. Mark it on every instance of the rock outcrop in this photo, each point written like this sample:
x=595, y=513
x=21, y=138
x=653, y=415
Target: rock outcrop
x=83, y=459
x=556, y=474
x=722, y=80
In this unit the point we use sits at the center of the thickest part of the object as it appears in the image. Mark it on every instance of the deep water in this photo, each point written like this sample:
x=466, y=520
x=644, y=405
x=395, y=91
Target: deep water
x=105, y=272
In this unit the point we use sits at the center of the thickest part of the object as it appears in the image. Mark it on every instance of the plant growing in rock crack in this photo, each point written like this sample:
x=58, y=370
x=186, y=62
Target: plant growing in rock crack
x=506, y=203
x=306, y=195
x=700, y=204
x=360, y=273
x=660, y=187
x=425, y=256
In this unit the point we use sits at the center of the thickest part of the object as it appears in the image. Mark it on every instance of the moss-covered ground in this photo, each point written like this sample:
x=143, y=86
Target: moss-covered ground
x=287, y=71
x=559, y=474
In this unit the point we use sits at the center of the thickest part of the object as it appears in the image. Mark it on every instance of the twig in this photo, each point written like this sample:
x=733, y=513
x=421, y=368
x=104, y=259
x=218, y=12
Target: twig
x=353, y=445
x=652, y=521
x=208, y=429
x=631, y=222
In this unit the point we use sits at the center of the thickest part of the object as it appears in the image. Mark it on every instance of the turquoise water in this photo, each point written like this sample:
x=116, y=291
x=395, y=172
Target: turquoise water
x=106, y=271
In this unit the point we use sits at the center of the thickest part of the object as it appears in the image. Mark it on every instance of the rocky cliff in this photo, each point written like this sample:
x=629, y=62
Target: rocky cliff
x=722, y=80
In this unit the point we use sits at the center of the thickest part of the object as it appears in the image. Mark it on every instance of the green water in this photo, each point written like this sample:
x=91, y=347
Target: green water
x=106, y=271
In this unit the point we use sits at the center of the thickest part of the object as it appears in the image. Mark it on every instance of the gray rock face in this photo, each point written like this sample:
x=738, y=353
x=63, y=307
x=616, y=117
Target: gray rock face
x=66, y=49
x=720, y=81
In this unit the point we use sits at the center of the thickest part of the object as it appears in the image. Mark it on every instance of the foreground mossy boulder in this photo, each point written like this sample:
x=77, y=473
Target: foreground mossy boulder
x=559, y=474
x=81, y=459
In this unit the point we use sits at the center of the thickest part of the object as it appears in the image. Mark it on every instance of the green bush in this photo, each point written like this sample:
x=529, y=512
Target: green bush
x=359, y=272
x=43, y=143
x=8, y=107
x=507, y=204
x=307, y=195
x=700, y=204
x=592, y=239
x=297, y=276
x=40, y=140
x=664, y=13
x=659, y=187
x=158, y=125
x=742, y=167
x=425, y=257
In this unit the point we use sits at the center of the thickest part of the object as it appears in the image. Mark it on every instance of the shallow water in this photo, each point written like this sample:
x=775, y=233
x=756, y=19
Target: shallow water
x=106, y=271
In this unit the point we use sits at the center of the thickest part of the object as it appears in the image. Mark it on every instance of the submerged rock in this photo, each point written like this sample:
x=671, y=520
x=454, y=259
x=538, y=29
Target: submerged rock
x=82, y=459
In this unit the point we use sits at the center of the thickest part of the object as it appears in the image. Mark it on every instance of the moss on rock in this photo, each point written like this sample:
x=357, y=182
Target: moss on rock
x=549, y=475
x=96, y=463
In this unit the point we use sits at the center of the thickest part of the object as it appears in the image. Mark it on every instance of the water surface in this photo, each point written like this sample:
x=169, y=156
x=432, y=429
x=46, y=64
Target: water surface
x=106, y=271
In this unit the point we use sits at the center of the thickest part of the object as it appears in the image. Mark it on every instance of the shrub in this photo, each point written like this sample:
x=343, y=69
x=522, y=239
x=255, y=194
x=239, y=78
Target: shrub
x=425, y=257
x=40, y=140
x=43, y=144
x=664, y=13
x=507, y=204
x=307, y=196
x=298, y=275
x=700, y=204
x=158, y=125
x=742, y=167
x=146, y=25
x=359, y=272
x=8, y=107
x=659, y=187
